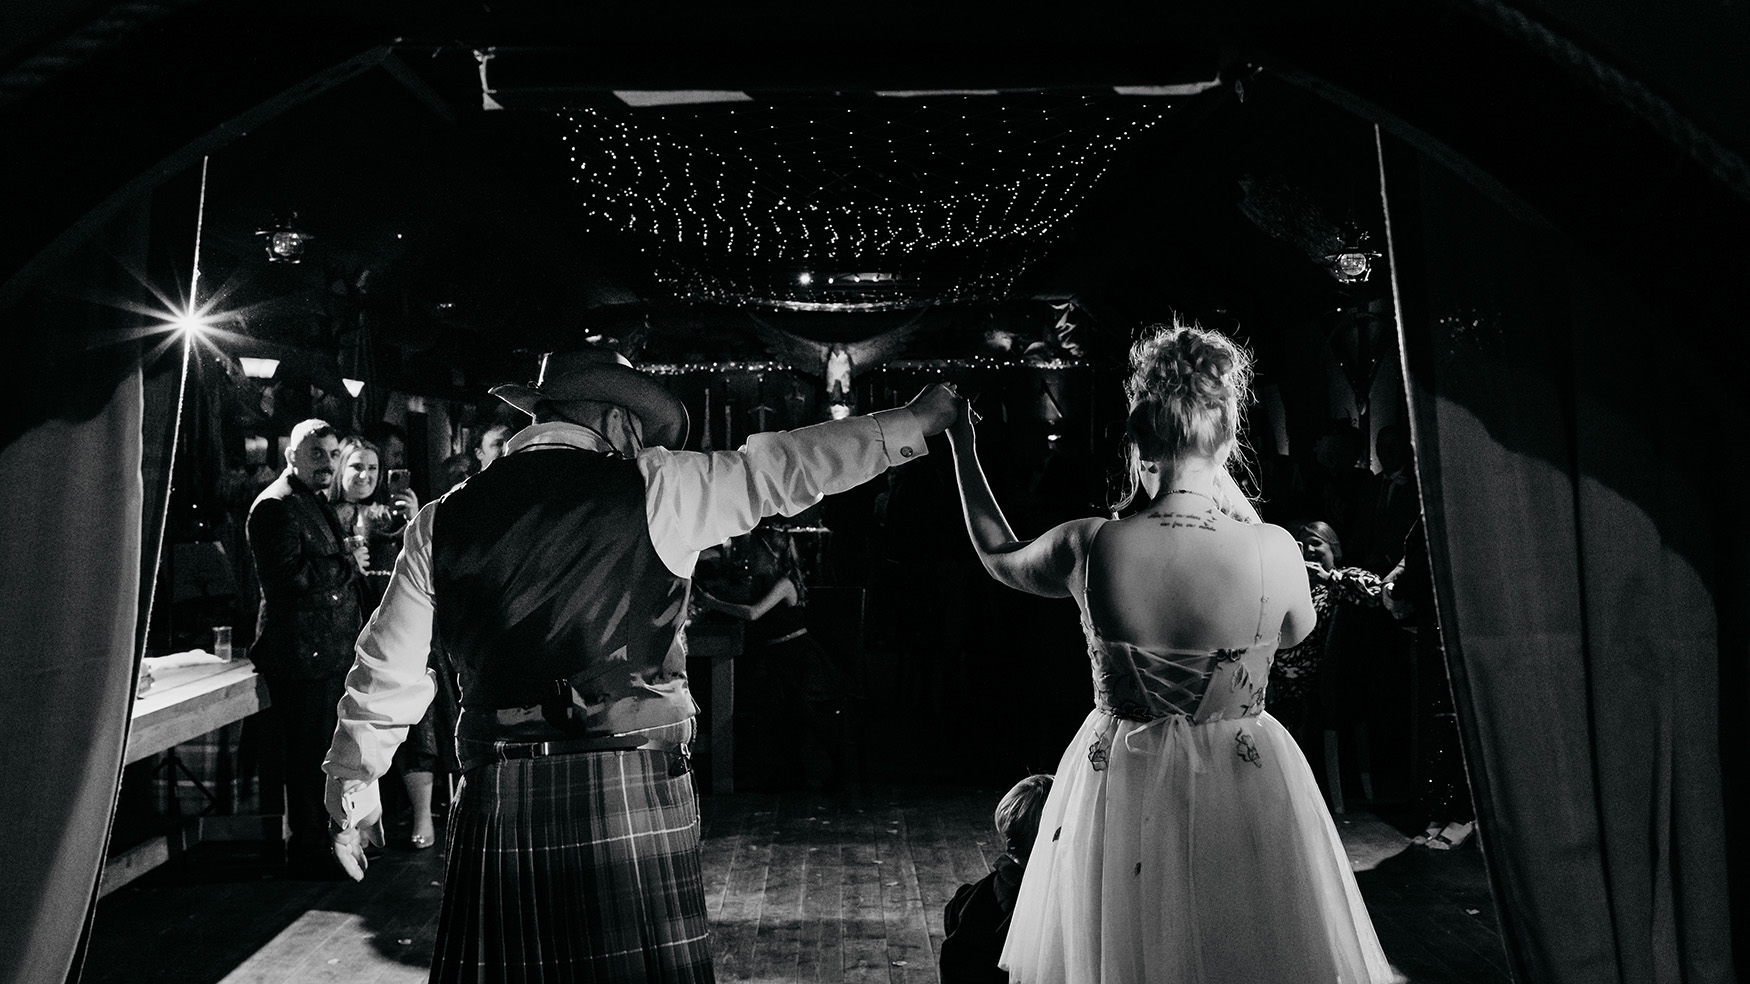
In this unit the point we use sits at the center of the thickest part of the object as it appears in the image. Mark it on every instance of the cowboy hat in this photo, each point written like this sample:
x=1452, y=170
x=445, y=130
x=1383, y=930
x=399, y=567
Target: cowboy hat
x=603, y=376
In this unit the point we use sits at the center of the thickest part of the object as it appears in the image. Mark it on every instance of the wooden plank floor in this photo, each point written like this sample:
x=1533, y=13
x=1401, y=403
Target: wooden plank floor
x=801, y=888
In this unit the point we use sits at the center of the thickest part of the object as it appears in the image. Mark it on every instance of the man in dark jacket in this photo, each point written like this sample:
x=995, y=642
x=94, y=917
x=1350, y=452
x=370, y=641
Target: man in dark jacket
x=309, y=620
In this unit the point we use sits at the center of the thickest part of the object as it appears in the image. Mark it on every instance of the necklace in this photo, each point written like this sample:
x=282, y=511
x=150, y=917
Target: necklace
x=1190, y=517
x=1204, y=495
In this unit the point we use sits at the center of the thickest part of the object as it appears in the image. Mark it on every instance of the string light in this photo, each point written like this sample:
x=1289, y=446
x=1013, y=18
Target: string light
x=911, y=366
x=955, y=198
x=717, y=368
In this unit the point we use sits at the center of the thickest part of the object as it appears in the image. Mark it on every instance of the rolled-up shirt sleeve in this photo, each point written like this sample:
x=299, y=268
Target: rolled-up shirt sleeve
x=389, y=687
x=697, y=500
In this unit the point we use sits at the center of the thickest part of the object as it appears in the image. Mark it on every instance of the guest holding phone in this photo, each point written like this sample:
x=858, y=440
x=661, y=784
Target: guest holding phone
x=375, y=516
x=377, y=511
x=391, y=441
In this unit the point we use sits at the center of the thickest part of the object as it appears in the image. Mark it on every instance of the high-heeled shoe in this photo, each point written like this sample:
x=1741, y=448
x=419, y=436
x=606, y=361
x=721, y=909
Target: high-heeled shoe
x=422, y=841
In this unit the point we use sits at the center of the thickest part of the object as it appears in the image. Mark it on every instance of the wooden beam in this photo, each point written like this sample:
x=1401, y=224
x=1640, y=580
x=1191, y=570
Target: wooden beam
x=427, y=96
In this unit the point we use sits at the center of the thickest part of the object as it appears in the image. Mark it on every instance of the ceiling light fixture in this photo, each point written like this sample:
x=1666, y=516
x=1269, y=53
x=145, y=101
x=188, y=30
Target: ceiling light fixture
x=259, y=368
x=284, y=241
x=353, y=387
x=679, y=97
x=1352, y=262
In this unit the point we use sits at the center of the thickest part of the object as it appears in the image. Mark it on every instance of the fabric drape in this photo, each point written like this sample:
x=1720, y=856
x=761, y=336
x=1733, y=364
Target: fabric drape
x=70, y=575
x=72, y=567
x=1567, y=436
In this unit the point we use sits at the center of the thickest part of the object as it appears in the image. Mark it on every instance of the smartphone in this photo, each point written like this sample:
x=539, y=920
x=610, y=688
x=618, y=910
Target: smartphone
x=398, y=479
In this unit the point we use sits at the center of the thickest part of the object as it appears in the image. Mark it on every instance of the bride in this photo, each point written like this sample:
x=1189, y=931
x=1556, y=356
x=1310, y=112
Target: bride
x=1184, y=838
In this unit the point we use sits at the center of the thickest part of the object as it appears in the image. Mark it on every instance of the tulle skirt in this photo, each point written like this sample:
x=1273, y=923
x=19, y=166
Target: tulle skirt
x=1174, y=852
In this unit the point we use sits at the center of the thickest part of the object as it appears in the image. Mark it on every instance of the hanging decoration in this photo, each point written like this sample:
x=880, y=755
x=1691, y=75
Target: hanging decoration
x=1292, y=215
x=888, y=204
x=837, y=362
x=1362, y=337
x=1352, y=262
x=282, y=240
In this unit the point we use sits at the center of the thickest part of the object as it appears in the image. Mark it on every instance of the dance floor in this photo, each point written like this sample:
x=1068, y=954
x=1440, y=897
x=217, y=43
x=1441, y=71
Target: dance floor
x=801, y=887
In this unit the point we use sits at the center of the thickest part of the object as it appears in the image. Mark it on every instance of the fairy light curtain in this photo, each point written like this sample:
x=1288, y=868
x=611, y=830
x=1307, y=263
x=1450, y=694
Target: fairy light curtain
x=886, y=203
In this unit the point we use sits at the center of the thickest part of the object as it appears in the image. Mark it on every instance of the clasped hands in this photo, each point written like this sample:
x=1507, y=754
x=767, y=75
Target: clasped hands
x=940, y=407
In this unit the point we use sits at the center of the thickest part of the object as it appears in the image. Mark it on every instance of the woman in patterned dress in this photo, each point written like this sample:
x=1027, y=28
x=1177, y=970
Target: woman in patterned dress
x=1294, y=676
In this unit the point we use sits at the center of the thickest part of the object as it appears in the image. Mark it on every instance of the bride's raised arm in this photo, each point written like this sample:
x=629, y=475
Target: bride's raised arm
x=1043, y=566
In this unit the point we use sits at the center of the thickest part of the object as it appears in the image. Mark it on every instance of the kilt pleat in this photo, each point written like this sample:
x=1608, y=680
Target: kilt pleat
x=574, y=869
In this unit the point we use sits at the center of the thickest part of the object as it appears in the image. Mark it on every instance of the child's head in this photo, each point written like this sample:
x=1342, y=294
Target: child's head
x=1018, y=812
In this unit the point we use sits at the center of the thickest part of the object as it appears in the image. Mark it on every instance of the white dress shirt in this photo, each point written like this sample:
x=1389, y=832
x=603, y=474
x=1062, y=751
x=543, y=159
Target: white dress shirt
x=692, y=501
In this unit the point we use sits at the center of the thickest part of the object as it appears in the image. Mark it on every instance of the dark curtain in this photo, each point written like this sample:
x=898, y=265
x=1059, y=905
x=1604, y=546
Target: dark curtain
x=72, y=492
x=1577, y=446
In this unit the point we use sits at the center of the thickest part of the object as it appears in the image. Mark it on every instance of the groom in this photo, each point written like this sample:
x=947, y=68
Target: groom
x=556, y=582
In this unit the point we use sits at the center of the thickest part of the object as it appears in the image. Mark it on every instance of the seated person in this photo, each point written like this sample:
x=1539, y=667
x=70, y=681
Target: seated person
x=977, y=918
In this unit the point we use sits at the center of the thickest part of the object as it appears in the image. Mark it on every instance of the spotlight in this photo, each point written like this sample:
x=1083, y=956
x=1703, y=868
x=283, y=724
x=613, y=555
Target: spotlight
x=353, y=387
x=259, y=368
x=191, y=321
x=284, y=241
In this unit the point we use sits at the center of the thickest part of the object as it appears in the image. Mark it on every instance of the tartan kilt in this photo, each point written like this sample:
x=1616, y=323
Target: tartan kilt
x=574, y=868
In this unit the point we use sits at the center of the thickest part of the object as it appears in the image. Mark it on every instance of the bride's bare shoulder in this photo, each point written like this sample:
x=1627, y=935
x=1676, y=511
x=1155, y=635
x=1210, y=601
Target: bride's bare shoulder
x=1080, y=532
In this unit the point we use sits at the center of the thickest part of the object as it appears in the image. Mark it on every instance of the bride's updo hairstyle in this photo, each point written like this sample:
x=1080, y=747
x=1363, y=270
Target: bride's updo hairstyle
x=1188, y=390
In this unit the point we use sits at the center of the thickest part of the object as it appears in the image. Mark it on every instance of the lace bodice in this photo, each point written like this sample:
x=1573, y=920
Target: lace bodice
x=1143, y=684
x=1212, y=685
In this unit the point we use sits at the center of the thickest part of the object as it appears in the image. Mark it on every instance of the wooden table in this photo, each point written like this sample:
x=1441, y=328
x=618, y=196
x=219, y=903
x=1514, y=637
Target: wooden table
x=184, y=703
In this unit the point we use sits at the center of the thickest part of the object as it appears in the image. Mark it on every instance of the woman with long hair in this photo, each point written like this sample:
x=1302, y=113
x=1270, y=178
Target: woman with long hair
x=1184, y=838
x=368, y=510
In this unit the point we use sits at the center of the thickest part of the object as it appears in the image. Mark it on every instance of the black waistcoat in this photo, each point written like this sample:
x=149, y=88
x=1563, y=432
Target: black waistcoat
x=558, y=615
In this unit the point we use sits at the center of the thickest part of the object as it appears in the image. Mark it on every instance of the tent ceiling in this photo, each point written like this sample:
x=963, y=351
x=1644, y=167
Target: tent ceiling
x=684, y=223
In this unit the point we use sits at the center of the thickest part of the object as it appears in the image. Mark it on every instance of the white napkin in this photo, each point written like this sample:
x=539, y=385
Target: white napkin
x=193, y=657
